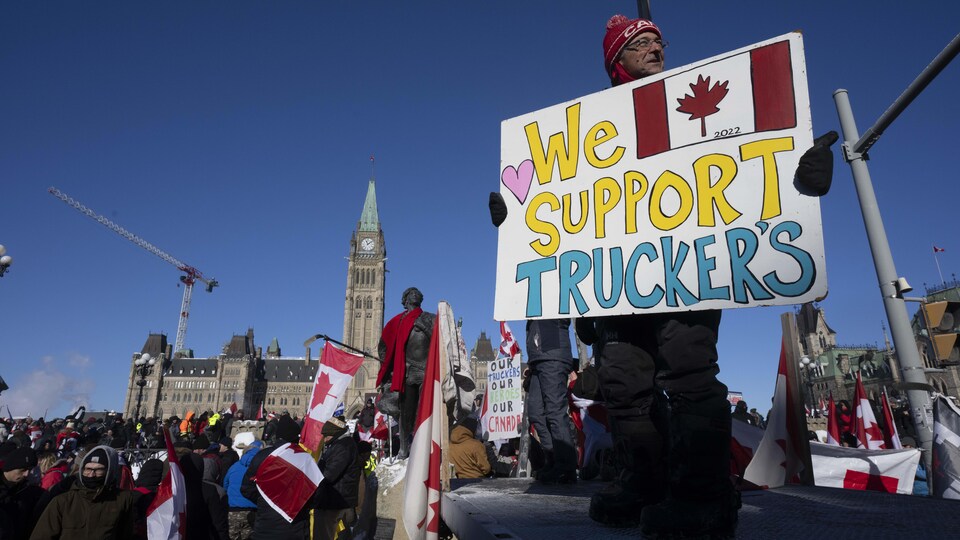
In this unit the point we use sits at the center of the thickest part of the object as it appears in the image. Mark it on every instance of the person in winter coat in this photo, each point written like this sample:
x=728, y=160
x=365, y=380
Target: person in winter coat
x=17, y=496
x=338, y=492
x=94, y=507
x=52, y=470
x=228, y=456
x=269, y=524
x=467, y=454
x=215, y=498
x=241, y=510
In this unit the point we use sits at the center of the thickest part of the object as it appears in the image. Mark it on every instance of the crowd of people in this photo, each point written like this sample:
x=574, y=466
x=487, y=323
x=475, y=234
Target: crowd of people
x=93, y=477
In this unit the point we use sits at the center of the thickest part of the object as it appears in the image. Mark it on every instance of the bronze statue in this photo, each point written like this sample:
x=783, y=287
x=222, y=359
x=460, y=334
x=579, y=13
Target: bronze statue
x=404, y=345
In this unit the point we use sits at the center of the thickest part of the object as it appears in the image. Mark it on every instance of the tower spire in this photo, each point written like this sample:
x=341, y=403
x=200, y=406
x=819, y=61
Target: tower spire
x=370, y=218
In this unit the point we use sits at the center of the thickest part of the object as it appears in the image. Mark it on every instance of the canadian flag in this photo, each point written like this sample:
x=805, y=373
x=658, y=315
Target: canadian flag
x=890, y=471
x=485, y=412
x=421, y=494
x=777, y=458
x=891, y=437
x=676, y=111
x=167, y=514
x=508, y=343
x=381, y=429
x=287, y=479
x=336, y=370
x=260, y=413
x=833, y=426
x=867, y=430
x=232, y=409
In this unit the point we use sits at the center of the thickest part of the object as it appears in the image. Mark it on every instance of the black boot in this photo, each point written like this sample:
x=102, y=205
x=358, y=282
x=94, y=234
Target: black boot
x=638, y=452
x=702, y=502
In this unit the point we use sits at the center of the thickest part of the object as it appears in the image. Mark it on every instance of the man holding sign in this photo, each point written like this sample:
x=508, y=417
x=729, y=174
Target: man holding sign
x=743, y=242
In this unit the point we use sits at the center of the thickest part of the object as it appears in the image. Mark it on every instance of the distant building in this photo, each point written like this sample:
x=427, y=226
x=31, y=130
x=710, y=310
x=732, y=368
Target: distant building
x=481, y=355
x=242, y=374
x=834, y=366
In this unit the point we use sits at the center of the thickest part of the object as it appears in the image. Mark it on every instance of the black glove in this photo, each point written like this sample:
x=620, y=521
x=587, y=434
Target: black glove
x=815, y=171
x=498, y=209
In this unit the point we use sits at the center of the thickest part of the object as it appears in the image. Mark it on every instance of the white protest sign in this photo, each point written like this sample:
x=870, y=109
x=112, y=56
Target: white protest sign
x=504, y=398
x=672, y=193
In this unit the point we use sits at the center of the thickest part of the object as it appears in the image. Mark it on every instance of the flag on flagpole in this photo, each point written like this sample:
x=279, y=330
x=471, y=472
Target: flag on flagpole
x=777, y=458
x=381, y=429
x=232, y=409
x=336, y=370
x=833, y=426
x=260, y=414
x=866, y=429
x=821, y=406
x=287, y=479
x=508, y=343
x=890, y=437
x=938, y=249
x=946, y=449
x=167, y=514
x=421, y=494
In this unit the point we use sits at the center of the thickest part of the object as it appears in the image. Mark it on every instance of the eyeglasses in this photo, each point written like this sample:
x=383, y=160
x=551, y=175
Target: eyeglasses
x=645, y=44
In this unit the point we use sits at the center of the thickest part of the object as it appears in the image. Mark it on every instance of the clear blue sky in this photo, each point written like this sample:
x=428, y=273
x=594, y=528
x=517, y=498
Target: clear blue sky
x=237, y=135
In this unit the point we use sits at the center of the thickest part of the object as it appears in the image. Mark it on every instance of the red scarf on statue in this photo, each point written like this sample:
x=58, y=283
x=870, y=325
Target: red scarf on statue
x=394, y=336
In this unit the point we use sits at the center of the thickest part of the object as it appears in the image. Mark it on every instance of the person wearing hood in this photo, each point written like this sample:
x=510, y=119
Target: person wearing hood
x=468, y=455
x=18, y=496
x=241, y=509
x=94, y=507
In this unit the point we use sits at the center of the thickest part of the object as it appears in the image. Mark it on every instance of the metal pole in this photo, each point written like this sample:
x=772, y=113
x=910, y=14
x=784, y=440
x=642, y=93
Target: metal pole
x=926, y=76
x=894, y=305
x=643, y=9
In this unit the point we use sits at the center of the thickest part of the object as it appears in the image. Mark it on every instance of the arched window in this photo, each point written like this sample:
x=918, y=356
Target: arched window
x=359, y=303
x=369, y=303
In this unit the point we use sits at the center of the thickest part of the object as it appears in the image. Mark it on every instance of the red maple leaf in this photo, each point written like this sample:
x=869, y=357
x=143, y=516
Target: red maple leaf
x=432, y=483
x=703, y=102
x=322, y=389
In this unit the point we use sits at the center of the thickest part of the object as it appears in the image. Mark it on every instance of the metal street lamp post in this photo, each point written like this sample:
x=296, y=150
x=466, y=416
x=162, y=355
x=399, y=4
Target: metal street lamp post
x=5, y=260
x=144, y=367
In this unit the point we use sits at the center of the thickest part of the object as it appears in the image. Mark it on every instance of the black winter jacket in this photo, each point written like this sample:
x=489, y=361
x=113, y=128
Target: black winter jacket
x=341, y=470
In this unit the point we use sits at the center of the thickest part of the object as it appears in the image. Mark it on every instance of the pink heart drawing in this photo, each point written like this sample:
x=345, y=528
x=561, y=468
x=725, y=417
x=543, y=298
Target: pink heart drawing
x=518, y=180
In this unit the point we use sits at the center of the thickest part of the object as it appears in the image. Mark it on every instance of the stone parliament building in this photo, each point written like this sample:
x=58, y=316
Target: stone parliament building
x=246, y=375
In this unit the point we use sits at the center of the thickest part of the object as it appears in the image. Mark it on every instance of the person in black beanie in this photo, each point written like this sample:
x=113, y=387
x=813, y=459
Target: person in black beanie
x=147, y=482
x=339, y=489
x=268, y=522
x=17, y=496
x=94, y=503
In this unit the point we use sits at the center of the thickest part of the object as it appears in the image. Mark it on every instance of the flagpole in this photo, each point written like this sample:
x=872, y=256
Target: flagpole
x=340, y=343
x=936, y=259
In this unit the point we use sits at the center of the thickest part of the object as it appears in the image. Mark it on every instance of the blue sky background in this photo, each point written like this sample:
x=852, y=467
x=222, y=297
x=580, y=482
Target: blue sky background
x=236, y=136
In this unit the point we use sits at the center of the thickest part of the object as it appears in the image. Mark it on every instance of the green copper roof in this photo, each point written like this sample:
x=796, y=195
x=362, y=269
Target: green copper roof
x=369, y=219
x=274, y=348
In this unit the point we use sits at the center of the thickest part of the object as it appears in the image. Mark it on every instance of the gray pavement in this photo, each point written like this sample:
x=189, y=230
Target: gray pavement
x=521, y=509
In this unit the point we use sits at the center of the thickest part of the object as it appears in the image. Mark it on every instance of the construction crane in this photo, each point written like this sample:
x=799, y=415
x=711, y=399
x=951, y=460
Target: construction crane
x=192, y=274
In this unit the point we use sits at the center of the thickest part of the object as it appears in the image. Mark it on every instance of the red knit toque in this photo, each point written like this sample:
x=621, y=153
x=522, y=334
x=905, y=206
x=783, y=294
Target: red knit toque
x=619, y=31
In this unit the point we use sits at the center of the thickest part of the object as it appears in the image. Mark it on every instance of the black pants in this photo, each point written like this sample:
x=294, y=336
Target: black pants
x=549, y=410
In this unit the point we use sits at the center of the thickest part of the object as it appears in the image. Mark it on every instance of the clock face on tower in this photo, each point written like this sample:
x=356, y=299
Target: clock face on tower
x=366, y=244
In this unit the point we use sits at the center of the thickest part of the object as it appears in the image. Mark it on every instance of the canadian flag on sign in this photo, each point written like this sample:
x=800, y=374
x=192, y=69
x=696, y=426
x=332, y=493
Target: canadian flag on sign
x=705, y=103
x=336, y=370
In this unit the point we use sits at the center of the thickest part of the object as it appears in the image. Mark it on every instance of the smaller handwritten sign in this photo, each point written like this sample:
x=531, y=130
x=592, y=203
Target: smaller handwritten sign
x=504, y=398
